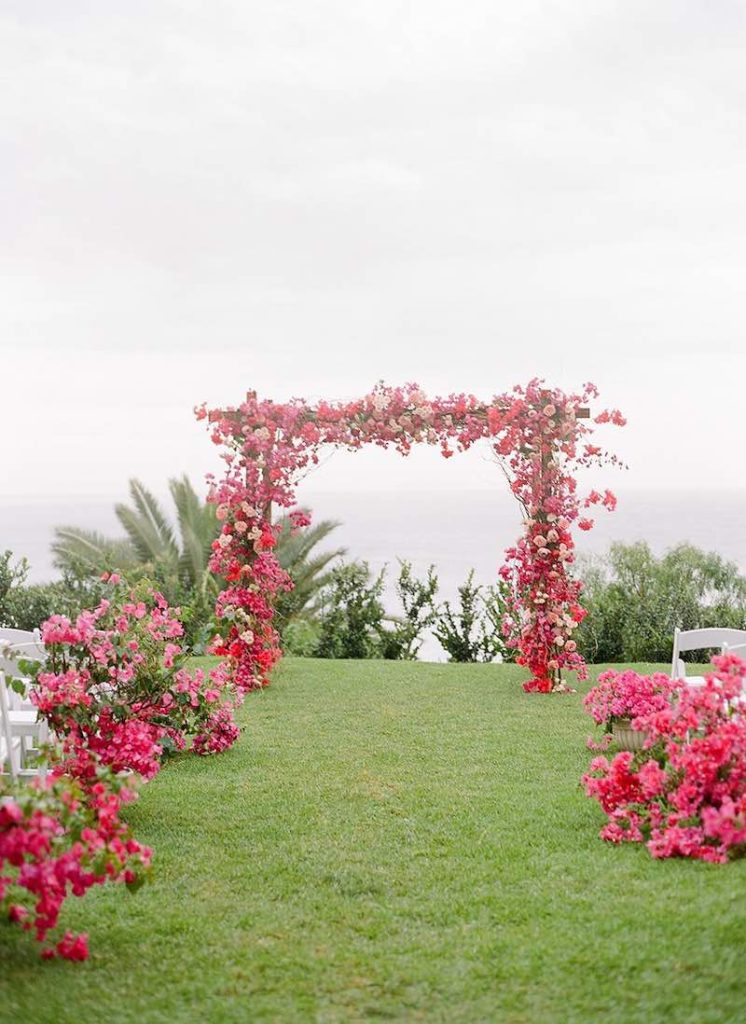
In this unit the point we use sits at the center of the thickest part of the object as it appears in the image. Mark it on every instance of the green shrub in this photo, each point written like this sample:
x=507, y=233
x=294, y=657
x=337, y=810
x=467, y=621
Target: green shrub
x=402, y=640
x=351, y=613
x=496, y=610
x=635, y=601
x=300, y=637
x=26, y=606
x=466, y=633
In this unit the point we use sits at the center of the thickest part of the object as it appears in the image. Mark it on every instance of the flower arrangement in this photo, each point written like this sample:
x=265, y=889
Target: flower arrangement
x=115, y=683
x=117, y=694
x=534, y=431
x=59, y=836
x=620, y=696
x=684, y=794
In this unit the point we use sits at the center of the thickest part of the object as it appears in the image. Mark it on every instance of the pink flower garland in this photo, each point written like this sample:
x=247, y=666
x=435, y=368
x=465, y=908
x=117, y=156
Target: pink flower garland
x=538, y=436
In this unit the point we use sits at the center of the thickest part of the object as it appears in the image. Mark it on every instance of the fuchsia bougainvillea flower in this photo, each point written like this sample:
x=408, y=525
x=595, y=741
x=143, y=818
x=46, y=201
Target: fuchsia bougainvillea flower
x=684, y=794
x=117, y=695
x=535, y=432
x=628, y=695
x=60, y=836
x=115, y=682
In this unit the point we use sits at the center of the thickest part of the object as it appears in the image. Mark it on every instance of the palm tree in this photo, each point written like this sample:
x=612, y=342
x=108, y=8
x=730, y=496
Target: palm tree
x=87, y=552
x=294, y=552
x=177, y=557
x=150, y=545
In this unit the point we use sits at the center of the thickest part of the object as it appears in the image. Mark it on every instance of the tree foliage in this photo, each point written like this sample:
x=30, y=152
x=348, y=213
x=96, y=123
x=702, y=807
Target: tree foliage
x=26, y=606
x=351, y=613
x=636, y=600
x=175, y=554
x=402, y=638
x=463, y=631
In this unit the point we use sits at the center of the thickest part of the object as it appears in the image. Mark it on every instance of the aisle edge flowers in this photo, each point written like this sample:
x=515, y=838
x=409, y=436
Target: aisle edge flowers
x=118, y=695
x=684, y=793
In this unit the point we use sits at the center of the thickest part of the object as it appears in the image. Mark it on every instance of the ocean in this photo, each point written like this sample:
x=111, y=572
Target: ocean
x=455, y=531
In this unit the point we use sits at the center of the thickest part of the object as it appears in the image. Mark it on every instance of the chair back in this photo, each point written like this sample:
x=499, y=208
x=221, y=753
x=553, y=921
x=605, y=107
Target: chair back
x=7, y=749
x=701, y=639
x=19, y=636
x=738, y=649
x=20, y=737
x=10, y=654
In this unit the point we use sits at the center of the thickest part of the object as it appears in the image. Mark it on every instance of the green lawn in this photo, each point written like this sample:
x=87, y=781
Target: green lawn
x=393, y=842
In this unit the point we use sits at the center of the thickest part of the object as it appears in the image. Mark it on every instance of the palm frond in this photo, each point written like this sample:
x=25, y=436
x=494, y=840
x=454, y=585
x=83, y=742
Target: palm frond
x=147, y=526
x=198, y=527
x=294, y=552
x=74, y=548
x=294, y=547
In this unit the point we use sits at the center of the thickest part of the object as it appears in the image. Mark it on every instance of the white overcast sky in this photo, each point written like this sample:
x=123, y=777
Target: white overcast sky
x=303, y=198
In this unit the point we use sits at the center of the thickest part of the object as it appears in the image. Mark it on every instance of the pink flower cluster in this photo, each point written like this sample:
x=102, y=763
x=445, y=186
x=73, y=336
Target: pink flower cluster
x=684, y=795
x=618, y=695
x=60, y=836
x=220, y=733
x=536, y=433
x=117, y=694
x=115, y=682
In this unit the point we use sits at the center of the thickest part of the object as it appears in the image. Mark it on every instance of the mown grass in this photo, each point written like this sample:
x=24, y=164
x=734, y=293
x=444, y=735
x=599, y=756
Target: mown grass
x=393, y=842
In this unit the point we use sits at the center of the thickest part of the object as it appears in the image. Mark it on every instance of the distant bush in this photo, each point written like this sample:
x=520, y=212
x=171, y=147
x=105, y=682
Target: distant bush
x=402, y=638
x=26, y=606
x=300, y=637
x=351, y=613
x=635, y=601
x=467, y=632
x=352, y=622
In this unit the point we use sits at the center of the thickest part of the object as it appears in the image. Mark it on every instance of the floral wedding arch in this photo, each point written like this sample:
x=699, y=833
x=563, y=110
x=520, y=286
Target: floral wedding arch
x=541, y=437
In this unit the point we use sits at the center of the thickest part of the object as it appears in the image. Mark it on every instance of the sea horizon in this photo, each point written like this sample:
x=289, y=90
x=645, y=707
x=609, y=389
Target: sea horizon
x=455, y=531
x=463, y=529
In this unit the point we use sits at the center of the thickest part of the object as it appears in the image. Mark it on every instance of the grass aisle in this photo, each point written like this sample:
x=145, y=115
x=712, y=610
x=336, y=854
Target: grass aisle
x=393, y=842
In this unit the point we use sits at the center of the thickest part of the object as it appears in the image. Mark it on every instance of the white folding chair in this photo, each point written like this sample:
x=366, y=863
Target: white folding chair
x=23, y=732
x=13, y=651
x=698, y=640
x=19, y=636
